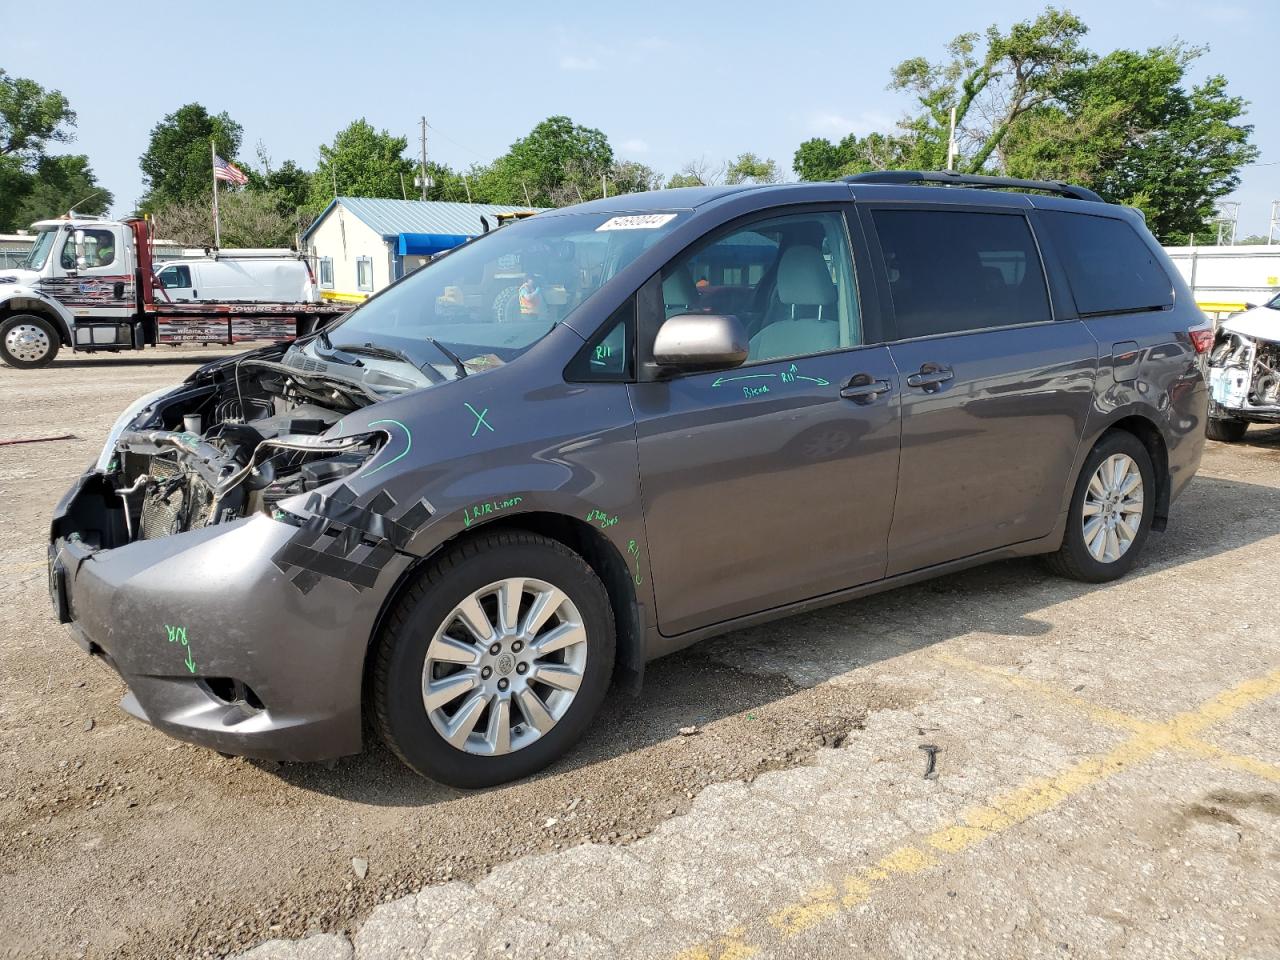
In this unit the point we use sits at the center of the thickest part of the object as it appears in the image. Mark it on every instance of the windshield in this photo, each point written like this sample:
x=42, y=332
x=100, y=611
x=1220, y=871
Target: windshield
x=40, y=251
x=488, y=302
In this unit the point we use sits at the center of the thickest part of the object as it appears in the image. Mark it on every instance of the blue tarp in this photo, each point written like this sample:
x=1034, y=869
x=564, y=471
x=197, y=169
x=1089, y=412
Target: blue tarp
x=425, y=244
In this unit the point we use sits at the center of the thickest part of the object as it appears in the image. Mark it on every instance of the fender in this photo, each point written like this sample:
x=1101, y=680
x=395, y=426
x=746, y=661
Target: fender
x=20, y=298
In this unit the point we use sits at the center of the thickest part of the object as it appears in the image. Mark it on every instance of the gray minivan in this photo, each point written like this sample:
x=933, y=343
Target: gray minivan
x=710, y=407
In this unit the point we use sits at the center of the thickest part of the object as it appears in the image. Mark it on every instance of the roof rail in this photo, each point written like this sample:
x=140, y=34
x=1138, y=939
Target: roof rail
x=950, y=178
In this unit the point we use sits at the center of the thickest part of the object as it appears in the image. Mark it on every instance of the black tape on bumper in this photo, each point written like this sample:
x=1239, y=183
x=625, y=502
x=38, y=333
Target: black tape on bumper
x=360, y=540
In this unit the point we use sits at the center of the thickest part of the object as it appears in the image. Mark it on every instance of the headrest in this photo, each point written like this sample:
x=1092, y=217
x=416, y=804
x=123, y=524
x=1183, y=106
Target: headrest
x=803, y=277
x=678, y=289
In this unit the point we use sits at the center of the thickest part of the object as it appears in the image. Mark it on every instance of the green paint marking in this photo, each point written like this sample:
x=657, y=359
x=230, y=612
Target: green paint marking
x=787, y=376
x=480, y=419
x=474, y=512
x=750, y=376
x=408, y=445
x=634, y=549
x=179, y=635
x=599, y=516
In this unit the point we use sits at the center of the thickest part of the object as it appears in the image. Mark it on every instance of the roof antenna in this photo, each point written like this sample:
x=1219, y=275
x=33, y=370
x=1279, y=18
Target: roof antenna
x=72, y=212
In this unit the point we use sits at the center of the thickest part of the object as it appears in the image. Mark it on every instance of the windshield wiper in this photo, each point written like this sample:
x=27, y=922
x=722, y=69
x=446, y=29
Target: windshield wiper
x=391, y=353
x=457, y=361
x=330, y=352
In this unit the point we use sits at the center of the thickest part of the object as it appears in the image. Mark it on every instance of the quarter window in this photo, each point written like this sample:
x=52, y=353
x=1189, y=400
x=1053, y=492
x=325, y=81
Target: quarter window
x=608, y=355
x=364, y=273
x=1110, y=268
x=788, y=279
x=951, y=271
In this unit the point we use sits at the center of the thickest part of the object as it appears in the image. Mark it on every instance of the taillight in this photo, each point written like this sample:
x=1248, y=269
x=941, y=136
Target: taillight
x=1201, y=339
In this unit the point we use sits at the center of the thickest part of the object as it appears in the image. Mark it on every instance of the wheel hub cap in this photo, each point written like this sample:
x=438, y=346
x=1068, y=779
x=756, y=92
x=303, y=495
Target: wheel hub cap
x=504, y=666
x=27, y=342
x=1113, y=505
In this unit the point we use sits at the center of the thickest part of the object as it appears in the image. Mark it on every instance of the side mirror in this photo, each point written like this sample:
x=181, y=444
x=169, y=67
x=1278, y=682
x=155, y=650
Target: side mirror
x=700, y=341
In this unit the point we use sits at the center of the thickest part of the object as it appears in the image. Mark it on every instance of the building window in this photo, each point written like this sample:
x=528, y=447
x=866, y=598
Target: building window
x=364, y=273
x=326, y=272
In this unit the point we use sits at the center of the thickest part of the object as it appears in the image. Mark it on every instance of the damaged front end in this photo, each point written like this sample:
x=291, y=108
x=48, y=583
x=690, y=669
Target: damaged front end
x=210, y=454
x=163, y=561
x=1244, y=371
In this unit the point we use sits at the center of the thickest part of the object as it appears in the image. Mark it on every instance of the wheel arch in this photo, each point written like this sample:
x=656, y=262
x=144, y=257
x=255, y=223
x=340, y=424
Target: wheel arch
x=40, y=307
x=596, y=550
x=1148, y=434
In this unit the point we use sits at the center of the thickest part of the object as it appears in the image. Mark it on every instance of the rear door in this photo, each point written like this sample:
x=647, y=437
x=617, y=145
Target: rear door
x=772, y=482
x=995, y=391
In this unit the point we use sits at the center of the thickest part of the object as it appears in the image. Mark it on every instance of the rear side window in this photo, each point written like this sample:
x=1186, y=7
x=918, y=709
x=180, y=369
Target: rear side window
x=1110, y=267
x=951, y=271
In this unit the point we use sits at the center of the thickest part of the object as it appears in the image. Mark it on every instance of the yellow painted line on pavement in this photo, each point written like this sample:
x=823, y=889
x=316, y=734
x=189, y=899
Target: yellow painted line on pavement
x=999, y=814
x=1181, y=738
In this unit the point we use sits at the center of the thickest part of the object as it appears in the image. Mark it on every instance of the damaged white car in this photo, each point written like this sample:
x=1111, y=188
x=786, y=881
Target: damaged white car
x=1244, y=372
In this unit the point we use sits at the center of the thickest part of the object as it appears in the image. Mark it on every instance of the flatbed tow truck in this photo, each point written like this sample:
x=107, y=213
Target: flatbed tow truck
x=90, y=284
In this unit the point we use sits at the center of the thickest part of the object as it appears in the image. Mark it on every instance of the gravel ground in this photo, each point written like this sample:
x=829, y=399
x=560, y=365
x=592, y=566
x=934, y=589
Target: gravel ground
x=805, y=769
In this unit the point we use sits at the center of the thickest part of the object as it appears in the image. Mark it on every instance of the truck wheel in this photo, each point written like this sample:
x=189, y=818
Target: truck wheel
x=1228, y=431
x=28, y=341
x=494, y=662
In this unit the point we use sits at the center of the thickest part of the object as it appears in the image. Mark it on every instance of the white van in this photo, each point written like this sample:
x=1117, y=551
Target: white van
x=262, y=276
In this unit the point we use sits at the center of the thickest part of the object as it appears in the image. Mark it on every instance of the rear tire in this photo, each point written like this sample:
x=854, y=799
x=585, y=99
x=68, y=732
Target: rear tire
x=427, y=648
x=1105, y=545
x=1227, y=431
x=28, y=341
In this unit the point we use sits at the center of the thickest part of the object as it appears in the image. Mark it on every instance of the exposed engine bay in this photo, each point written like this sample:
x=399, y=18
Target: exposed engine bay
x=1244, y=374
x=229, y=443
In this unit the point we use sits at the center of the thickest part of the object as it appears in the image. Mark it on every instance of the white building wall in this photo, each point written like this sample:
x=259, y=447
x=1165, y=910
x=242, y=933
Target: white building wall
x=1226, y=279
x=345, y=238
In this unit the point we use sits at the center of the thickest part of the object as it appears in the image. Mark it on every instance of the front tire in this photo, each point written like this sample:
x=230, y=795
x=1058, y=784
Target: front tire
x=28, y=341
x=494, y=662
x=1228, y=431
x=1110, y=514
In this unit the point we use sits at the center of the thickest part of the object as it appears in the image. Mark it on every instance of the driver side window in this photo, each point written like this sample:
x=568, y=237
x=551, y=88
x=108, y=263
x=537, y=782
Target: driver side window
x=788, y=279
x=99, y=250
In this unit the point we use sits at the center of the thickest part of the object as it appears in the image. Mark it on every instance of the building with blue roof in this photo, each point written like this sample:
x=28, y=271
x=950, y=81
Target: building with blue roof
x=359, y=245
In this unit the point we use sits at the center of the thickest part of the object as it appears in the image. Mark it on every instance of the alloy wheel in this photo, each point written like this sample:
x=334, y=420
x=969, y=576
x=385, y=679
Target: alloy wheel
x=1113, y=505
x=504, y=666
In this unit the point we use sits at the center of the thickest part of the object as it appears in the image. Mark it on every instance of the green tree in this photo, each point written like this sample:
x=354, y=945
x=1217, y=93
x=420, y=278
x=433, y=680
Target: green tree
x=1129, y=126
x=249, y=218
x=177, y=166
x=59, y=184
x=361, y=162
x=748, y=168
x=820, y=159
x=558, y=162
x=697, y=173
x=31, y=118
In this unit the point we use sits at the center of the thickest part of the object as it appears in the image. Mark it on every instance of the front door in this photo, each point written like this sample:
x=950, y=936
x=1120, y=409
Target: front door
x=772, y=482
x=93, y=275
x=995, y=392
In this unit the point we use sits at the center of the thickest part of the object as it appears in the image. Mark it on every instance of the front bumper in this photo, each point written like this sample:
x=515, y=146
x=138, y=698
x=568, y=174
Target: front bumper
x=216, y=645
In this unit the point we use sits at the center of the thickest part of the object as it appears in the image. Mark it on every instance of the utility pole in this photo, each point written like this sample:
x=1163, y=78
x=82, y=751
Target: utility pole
x=466, y=186
x=423, y=178
x=1274, y=225
x=952, y=146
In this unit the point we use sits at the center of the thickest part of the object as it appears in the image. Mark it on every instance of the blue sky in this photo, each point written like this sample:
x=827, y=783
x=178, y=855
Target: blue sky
x=668, y=82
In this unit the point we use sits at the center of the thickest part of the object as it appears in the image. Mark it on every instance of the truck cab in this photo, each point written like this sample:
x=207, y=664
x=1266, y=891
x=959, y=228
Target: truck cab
x=88, y=284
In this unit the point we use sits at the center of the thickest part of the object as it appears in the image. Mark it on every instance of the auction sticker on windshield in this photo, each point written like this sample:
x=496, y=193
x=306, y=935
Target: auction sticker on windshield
x=642, y=221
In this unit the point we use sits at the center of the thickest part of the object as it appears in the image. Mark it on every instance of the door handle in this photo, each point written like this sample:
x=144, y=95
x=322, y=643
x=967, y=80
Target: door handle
x=863, y=388
x=931, y=377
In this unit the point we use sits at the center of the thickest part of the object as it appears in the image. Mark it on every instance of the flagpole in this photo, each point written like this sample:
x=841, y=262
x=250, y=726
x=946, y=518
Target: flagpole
x=213, y=161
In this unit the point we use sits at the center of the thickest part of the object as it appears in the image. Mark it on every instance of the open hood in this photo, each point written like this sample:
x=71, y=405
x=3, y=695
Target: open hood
x=1257, y=323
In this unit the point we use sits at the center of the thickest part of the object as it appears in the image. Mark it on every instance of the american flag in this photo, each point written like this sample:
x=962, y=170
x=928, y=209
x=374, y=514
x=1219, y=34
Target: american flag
x=222, y=170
